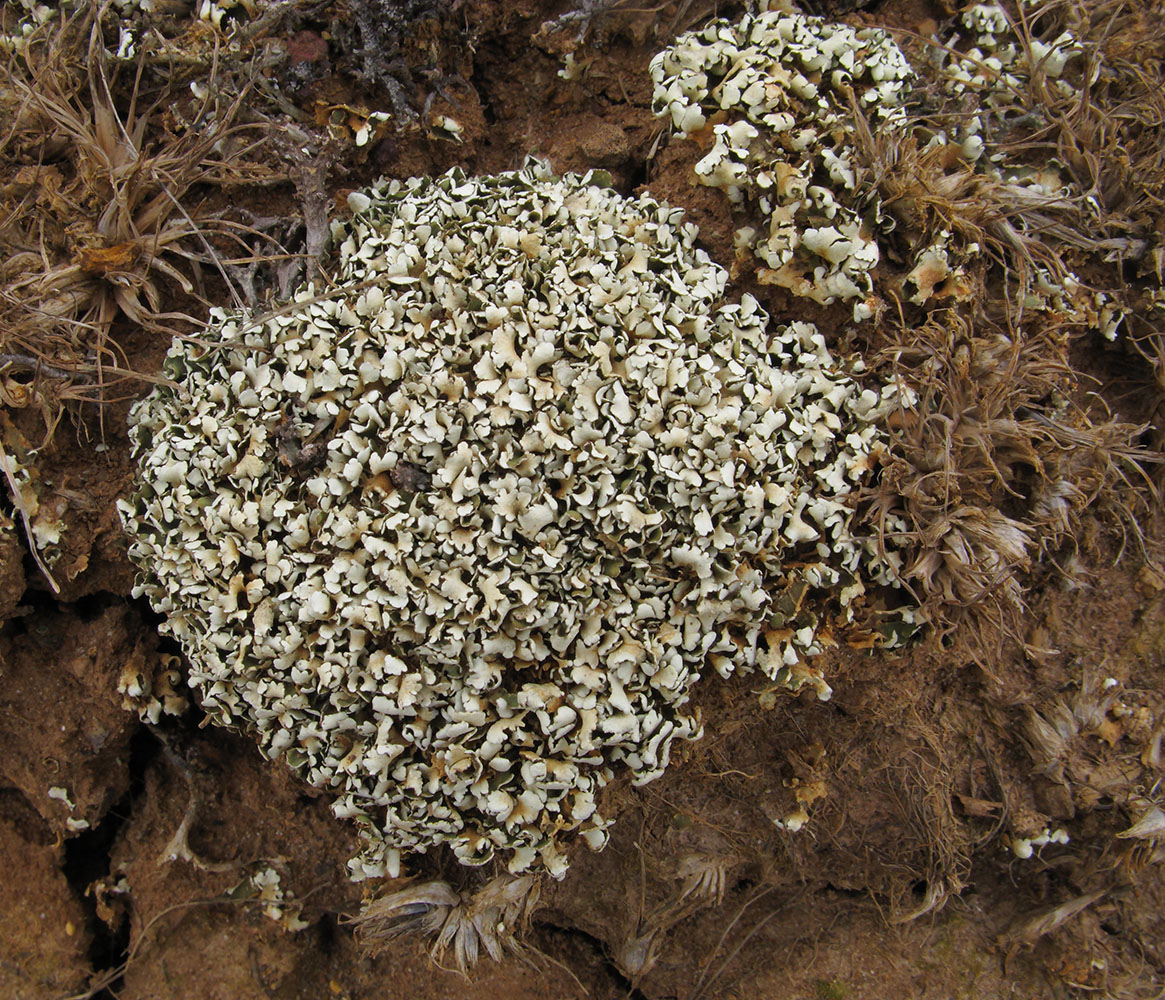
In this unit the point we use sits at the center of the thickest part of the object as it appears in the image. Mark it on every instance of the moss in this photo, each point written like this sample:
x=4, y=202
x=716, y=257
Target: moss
x=830, y=989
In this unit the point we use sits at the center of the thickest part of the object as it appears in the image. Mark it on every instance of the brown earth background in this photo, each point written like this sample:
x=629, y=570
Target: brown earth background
x=916, y=776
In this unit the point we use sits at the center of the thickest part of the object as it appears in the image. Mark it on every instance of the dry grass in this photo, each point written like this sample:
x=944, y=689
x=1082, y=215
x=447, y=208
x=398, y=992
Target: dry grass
x=1104, y=139
x=1009, y=446
x=589, y=17
x=101, y=217
x=489, y=920
x=993, y=467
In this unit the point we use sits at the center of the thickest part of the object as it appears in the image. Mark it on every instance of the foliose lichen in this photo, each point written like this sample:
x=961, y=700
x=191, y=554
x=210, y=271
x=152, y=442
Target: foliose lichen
x=984, y=66
x=775, y=89
x=779, y=99
x=26, y=16
x=986, y=58
x=456, y=536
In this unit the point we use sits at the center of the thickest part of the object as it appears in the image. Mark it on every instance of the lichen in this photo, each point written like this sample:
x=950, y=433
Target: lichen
x=457, y=537
x=788, y=109
x=775, y=91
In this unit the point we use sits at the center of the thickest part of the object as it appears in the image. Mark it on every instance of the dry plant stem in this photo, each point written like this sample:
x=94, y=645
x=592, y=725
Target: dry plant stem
x=29, y=363
x=701, y=988
x=108, y=977
x=178, y=846
x=1016, y=227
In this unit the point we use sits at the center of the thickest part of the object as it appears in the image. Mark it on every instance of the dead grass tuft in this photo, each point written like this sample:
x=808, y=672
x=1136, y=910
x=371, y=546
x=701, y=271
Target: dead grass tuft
x=994, y=466
x=1009, y=445
x=490, y=919
x=1103, y=141
x=102, y=217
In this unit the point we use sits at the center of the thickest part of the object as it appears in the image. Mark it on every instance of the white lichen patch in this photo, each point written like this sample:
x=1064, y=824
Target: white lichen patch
x=74, y=824
x=773, y=94
x=265, y=884
x=27, y=16
x=215, y=11
x=152, y=690
x=457, y=537
x=42, y=509
x=444, y=127
x=935, y=273
x=985, y=58
x=1024, y=847
x=778, y=101
x=1067, y=297
x=986, y=65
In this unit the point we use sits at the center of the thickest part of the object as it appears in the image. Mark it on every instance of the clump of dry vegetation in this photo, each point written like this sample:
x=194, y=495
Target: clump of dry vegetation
x=464, y=925
x=996, y=465
x=102, y=219
x=1010, y=444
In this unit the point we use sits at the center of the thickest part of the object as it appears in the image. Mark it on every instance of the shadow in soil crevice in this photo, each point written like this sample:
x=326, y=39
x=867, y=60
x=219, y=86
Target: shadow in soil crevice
x=87, y=861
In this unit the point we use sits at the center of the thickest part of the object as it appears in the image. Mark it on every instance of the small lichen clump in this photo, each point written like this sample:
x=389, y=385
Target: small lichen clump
x=778, y=88
x=457, y=537
x=984, y=65
x=995, y=68
x=780, y=100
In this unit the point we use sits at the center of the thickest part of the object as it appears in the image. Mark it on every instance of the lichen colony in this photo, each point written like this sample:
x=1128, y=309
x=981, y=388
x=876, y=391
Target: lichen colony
x=456, y=535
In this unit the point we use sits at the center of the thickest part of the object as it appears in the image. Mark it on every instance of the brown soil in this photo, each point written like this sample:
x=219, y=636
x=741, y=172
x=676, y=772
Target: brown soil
x=129, y=846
